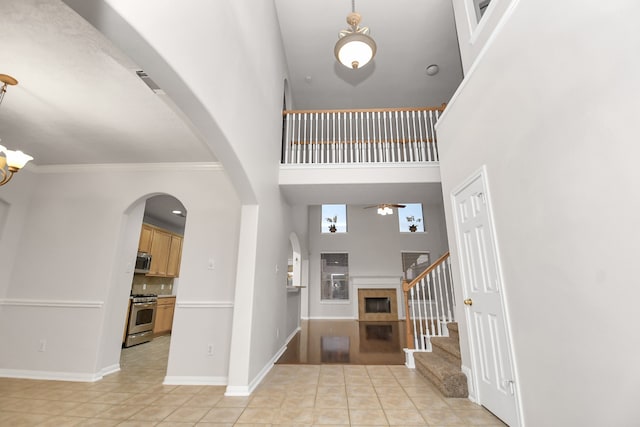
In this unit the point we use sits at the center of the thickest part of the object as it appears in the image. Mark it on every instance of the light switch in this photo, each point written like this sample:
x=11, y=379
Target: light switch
x=211, y=264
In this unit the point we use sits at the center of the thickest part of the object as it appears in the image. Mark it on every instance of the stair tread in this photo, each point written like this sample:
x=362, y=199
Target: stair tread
x=450, y=345
x=453, y=326
x=447, y=376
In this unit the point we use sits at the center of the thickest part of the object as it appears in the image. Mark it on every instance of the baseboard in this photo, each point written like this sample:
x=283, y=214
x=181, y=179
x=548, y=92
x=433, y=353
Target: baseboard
x=50, y=375
x=471, y=386
x=248, y=389
x=194, y=380
x=331, y=318
x=110, y=370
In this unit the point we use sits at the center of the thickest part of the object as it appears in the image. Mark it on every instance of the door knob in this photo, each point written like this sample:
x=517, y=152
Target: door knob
x=468, y=301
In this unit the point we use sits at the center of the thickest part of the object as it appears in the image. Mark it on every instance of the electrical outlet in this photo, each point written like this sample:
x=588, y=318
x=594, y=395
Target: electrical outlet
x=210, y=350
x=43, y=346
x=144, y=286
x=277, y=332
x=162, y=286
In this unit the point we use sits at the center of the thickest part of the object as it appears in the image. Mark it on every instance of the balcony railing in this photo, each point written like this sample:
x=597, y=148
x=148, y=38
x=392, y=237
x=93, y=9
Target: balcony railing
x=360, y=136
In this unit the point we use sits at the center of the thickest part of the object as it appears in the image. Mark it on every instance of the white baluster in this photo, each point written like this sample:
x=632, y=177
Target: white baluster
x=378, y=137
x=431, y=299
x=404, y=141
x=414, y=142
x=413, y=316
x=299, y=123
x=423, y=154
x=287, y=123
x=334, y=139
x=440, y=289
x=369, y=124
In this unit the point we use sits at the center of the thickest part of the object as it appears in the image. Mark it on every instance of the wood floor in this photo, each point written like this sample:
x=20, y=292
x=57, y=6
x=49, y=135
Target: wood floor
x=347, y=342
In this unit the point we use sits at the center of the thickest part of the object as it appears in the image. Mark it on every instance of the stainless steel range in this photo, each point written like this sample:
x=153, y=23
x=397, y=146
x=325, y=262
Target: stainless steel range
x=141, y=318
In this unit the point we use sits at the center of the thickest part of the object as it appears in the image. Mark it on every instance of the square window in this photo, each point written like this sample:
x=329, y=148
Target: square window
x=334, y=219
x=410, y=218
x=414, y=263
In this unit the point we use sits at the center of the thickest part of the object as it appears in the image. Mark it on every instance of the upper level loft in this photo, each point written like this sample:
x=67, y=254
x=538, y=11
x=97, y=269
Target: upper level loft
x=328, y=152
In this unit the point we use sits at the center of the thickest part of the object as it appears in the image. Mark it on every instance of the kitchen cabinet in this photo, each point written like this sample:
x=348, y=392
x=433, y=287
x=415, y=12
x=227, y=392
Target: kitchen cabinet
x=165, y=249
x=164, y=315
x=175, y=254
x=145, y=239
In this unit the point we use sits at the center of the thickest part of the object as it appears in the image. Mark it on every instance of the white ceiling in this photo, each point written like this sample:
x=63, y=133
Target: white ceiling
x=410, y=35
x=79, y=100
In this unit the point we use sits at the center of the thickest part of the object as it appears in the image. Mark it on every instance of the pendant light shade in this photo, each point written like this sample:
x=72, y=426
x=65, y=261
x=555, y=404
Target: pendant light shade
x=355, y=48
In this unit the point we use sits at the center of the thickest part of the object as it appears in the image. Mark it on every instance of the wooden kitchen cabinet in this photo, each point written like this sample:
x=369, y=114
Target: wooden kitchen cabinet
x=175, y=255
x=145, y=239
x=164, y=315
x=165, y=249
x=160, y=247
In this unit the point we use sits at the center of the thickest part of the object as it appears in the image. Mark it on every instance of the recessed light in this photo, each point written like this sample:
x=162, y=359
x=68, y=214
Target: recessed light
x=432, y=70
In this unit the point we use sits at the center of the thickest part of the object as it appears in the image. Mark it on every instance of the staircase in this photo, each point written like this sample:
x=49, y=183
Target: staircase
x=441, y=366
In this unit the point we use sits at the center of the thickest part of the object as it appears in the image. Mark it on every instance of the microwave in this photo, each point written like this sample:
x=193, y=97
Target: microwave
x=143, y=262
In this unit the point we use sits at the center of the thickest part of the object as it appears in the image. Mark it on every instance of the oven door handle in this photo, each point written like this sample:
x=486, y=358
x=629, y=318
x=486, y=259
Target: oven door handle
x=144, y=304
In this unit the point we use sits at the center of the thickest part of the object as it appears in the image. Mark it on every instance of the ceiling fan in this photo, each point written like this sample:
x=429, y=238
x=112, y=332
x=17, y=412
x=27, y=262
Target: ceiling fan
x=385, y=208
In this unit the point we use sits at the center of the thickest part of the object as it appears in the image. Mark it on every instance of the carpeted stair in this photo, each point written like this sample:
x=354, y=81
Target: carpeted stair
x=441, y=366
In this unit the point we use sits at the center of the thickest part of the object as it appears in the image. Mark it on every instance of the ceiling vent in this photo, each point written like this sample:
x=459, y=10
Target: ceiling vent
x=147, y=80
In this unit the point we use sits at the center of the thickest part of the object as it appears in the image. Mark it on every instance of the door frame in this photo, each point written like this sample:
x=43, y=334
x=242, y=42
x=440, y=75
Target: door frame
x=482, y=175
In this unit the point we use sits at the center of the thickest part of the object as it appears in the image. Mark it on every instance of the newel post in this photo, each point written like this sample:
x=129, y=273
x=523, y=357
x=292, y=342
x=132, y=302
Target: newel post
x=407, y=315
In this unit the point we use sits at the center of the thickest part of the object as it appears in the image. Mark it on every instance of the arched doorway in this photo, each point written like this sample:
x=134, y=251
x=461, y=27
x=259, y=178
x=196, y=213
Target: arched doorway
x=154, y=285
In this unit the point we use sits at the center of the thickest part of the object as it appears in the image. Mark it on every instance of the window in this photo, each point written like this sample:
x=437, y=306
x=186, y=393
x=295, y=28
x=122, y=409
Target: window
x=334, y=218
x=334, y=272
x=410, y=218
x=480, y=7
x=414, y=263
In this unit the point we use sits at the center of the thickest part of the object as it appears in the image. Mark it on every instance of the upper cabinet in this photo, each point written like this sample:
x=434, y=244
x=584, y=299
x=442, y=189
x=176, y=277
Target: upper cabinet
x=145, y=238
x=165, y=249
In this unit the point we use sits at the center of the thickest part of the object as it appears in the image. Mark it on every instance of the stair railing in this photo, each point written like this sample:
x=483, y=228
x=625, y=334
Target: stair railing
x=429, y=303
x=378, y=135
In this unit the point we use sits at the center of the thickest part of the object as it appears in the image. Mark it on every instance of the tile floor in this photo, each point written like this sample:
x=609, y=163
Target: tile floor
x=291, y=395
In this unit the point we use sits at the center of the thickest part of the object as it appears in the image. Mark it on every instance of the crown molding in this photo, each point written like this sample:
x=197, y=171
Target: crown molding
x=128, y=167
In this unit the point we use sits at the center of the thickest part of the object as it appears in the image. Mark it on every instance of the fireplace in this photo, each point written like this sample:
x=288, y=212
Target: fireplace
x=377, y=305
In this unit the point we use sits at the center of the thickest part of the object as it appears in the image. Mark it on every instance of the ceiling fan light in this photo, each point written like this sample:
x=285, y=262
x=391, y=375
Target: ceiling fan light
x=355, y=50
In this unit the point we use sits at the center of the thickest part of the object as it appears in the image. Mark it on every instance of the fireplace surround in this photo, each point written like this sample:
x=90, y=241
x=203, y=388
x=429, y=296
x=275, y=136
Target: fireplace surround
x=377, y=305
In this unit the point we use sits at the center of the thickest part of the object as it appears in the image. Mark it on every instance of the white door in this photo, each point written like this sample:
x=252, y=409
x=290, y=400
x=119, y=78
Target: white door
x=484, y=308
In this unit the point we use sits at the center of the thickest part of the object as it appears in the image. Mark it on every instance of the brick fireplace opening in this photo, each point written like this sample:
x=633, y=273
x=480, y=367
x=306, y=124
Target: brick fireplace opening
x=377, y=305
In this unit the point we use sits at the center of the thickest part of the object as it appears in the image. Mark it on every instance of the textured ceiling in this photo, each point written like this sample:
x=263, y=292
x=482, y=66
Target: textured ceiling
x=79, y=100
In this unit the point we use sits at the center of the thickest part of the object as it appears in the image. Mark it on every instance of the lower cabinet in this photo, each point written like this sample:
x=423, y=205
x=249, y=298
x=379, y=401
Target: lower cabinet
x=164, y=315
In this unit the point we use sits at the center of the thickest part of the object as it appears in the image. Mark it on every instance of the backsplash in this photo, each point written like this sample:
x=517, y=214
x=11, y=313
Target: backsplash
x=151, y=285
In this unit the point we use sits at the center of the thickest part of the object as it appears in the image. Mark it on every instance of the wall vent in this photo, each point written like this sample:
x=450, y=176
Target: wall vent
x=147, y=80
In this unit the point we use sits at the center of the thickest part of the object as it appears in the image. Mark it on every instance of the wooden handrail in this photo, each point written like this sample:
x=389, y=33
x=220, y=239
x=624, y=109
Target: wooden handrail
x=407, y=286
x=366, y=110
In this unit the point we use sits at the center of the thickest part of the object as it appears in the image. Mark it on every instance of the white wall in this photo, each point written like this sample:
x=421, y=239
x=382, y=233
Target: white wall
x=72, y=273
x=551, y=110
x=223, y=64
x=374, y=245
x=474, y=35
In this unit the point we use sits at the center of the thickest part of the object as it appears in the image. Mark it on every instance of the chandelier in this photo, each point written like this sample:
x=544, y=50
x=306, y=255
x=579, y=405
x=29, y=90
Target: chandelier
x=11, y=161
x=355, y=48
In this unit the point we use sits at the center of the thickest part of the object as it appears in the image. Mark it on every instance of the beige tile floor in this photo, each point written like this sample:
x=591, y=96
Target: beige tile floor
x=291, y=395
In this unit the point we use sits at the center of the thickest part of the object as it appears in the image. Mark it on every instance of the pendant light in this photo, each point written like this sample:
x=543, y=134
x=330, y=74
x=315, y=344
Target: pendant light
x=355, y=48
x=11, y=161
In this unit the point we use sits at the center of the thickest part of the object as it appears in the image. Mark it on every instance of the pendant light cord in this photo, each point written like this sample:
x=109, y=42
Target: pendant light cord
x=353, y=6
